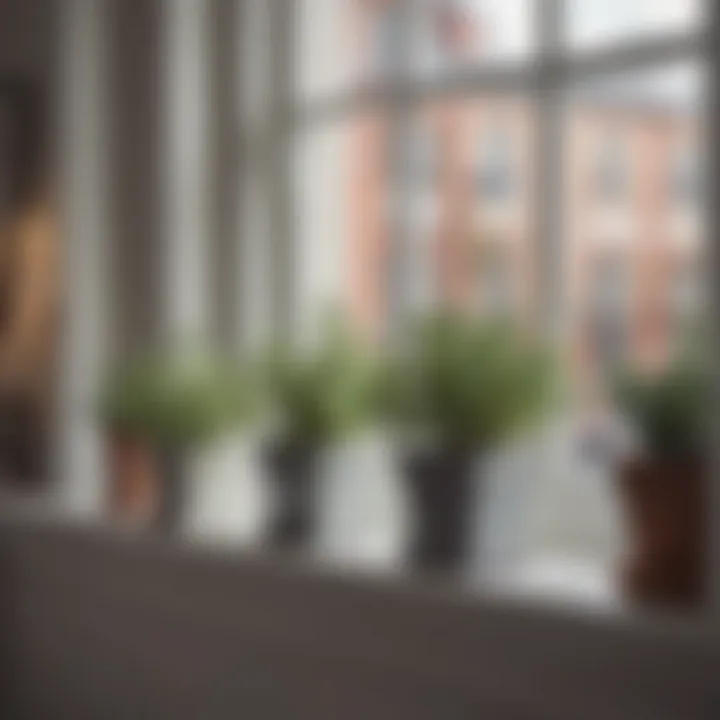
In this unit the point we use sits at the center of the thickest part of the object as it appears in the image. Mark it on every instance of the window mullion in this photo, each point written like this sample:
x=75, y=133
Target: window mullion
x=255, y=276
x=279, y=150
x=398, y=148
x=549, y=169
x=631, y=56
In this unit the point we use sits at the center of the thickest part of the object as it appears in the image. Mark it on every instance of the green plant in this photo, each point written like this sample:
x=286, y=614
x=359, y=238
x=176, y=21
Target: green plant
x=466, y=383
x=175, y=401
x=322, y=394
x=668, y=408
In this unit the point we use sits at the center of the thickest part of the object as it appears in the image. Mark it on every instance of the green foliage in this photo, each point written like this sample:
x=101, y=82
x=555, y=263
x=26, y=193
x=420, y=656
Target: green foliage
x=323, y=394
x=467, y=383
x=668, y=409
x=176, y=401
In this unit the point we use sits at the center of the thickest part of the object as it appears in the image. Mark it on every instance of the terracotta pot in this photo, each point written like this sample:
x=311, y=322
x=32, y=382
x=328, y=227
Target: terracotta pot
x=441, y=487
x=135, y=486
x=664, y=504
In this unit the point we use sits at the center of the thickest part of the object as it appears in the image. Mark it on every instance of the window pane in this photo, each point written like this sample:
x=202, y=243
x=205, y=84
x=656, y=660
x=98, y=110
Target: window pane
x=328, y=55
x=597, y=22
x=469, y=172
x=345, y=43
x=386, y=225
x=635, y=217
x=342, y=229
x=633, y=302
x=452, y=33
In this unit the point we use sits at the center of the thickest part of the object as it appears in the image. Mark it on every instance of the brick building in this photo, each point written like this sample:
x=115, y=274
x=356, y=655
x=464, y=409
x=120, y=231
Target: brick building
x=632, y=212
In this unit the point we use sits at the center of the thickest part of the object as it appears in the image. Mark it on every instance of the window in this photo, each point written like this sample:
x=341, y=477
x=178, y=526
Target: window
x=423, y=159
x=612, y=170
x=637, y=129
x=343, y=45
x=482, y=152
x=462, y=33
x=343, y=224
x=468, y=151
x=593, y=23
x=496, y=172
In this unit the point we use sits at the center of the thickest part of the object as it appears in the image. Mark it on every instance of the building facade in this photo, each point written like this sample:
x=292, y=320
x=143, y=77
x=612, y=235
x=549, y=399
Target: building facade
x=632, y=241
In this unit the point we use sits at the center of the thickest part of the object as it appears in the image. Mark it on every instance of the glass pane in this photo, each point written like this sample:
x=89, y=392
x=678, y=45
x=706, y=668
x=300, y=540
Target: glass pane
x=598, y=22
x=328, y=52
x=345, y=43
x=387, y=225
x=634, y=290
x=469, y=169
x=452, y=33
x=342, y=229
x=635, y=218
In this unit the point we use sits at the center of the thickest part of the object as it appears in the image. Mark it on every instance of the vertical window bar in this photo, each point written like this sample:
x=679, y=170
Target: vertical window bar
x=404, y=15
x=550, y=166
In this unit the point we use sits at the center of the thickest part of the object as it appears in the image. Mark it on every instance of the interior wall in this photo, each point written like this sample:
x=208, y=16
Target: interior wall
x=29, y=237
x=134, y=65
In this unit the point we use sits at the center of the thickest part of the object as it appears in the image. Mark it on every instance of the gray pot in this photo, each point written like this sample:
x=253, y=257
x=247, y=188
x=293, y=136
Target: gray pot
x=442, y=489
x=292, y=468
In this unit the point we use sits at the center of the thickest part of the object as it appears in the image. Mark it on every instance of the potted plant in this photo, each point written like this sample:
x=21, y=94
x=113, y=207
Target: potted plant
x=316, y=398
x=158, y=412
x=458, y=388
x=662, y=484
x=124, y=413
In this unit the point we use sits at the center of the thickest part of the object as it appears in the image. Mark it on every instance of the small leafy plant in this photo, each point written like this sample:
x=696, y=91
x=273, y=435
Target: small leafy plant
x=466, y=383
x=668, y=409
x=321, y=395
x=175, y=402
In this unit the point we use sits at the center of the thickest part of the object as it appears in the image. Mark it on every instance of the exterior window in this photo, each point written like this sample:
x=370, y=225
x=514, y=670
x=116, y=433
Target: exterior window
x=612, y=176
x=518, y=168
x=456, y=27
x=470, y=32
x=597, y=23
x=422, y=160
x=496, y=178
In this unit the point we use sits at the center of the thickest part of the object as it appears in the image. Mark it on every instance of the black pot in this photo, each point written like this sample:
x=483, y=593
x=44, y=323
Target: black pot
x=173, y=467
x=442, y=488
x=292, y=468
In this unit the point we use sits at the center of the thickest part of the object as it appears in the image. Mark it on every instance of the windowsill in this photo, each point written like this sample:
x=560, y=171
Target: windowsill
x=493, y=651
x=557, y=587
x=547, y=529
x=533, y=592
